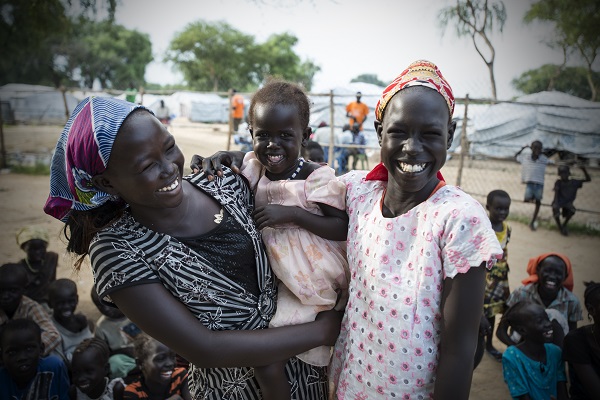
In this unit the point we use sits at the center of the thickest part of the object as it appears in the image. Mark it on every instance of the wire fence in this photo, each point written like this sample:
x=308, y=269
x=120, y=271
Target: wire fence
x=476, y=174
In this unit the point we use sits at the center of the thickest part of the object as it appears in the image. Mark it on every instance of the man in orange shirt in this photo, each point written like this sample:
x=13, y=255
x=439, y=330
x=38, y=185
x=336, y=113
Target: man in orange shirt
x=357, y=111
x=237, y=109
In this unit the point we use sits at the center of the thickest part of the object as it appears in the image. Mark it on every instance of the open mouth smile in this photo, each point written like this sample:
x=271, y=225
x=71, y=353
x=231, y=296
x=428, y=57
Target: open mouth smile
x=166, y=374
x=548, y=334
x=275, y=159
x=170, y=187
x=412, y=168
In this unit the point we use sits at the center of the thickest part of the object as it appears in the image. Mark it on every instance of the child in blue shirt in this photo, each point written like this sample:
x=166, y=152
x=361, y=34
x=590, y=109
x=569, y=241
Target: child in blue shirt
x=533, y=369
x=24, y=374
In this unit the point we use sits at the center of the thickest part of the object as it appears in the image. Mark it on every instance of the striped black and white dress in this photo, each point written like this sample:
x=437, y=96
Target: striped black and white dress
x=223, y=277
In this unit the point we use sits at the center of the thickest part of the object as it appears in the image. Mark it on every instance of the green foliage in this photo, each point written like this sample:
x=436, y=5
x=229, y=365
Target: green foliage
x=37, y=169
x=369, y=78
x=571, y=80
x=577, y=27
x=31, y=32
x=108, y=52
x=475, y=19
x=217, y=57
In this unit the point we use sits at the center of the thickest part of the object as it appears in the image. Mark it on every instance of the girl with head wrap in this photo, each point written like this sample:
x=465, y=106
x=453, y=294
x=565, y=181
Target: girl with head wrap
x=39, y=263
x=179, y=256
x=418, y=250
x=550, y=284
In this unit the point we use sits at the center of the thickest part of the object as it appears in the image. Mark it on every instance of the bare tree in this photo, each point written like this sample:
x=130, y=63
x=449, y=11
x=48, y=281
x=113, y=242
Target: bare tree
x=476, y=19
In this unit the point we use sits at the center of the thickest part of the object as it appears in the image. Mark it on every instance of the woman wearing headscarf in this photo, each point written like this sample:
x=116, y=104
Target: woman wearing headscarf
x=39, y=263
x=179, y=256
x=550, y=284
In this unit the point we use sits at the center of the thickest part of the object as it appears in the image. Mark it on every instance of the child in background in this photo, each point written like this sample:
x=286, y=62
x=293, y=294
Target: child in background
x=73, y=328
x=90, y=369
x=581, y=349
x=300, y=212
x=14, y=305
x=39, y=263
x=313, y=152
x=533, y=368
x=109, y=328
x=497, y=290
x=549, y=284
x=24, y=373
x=565, y=191
x=533, y=170
x=160, y=378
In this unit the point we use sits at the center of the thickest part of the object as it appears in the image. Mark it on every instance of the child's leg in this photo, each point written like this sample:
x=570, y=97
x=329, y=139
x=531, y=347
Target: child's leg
x=488, y=345
x=532, y=225
x=556, y=214
x=273, y=381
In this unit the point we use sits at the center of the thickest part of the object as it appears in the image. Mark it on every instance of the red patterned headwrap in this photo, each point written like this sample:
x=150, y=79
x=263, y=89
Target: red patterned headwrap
x=419, y=73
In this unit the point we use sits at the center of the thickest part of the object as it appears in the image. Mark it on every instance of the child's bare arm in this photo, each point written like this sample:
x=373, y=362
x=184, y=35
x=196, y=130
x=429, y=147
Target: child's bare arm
x=502, y=333
x=273, y=381
x=332, y=226
x=462, y=302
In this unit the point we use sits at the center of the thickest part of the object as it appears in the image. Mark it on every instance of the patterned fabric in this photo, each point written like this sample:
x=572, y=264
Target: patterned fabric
x=565, y=302
x=309, y=267
x=82, y=152
x=138, y=390
x=34, y=311
x=128, y=253
x=532, y=171
x=31, y=232
x=50, y=383
x=496, y=288
x=533, y=263
x=419, y=73
x=526, y=376
x=388, y=345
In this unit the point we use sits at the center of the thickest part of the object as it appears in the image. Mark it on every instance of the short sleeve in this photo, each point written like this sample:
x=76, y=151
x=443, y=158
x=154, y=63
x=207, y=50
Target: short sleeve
x=468, y=238
x=251, y=169
x=575, y=311
x=118, y=263
x=322, y=186
x=515, y=296
x=512, y=376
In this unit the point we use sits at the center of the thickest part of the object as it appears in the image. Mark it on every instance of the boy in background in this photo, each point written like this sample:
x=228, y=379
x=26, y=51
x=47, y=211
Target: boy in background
x=565, y=191
x=24, y=374
x=533, y=169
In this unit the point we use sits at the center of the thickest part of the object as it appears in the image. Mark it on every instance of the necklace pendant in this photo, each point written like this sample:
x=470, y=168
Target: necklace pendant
x=219, y=217
x=298, y=169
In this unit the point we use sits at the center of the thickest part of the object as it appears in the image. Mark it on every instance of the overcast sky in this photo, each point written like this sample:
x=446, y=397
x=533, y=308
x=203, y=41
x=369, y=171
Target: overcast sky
x=353, y=37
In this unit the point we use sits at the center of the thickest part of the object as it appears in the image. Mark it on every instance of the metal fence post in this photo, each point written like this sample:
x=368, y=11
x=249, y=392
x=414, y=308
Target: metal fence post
x=230, y=119
x=464, y=146
x=331, y=134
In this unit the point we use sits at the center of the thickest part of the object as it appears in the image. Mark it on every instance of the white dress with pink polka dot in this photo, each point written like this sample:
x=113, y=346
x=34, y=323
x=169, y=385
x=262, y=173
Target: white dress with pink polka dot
x=388, y=347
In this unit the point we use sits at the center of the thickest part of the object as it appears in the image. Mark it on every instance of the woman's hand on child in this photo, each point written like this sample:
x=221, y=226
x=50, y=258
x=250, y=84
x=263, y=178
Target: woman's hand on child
x=213, y=165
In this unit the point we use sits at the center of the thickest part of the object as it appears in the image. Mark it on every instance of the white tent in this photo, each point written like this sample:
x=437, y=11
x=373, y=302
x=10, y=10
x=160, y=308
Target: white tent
x=560, y=121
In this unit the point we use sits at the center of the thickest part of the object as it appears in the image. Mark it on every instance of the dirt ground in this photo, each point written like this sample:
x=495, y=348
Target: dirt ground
x=22, y=197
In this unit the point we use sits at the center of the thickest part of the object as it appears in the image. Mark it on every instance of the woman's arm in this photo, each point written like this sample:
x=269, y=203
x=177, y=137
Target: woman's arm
x=159, y=314
x=462, y=302
x=332, y=226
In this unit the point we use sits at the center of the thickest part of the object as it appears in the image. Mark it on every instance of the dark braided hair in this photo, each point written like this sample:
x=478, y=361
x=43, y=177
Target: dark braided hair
x=277, y=91
x=96, y=344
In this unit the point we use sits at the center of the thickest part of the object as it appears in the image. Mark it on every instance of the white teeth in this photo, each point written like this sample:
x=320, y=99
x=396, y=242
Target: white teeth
x=412, y=167
x=275, y=159
x=172, y=186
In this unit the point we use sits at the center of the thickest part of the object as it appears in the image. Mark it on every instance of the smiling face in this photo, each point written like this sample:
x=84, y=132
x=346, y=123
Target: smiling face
x=158, y=364
x=63, y=301
x=277, y=138
x=498, y=208
x=88, y=373
x=551, y=272
x=21, y=351
x=535, y=325
x=415, y=135
x=145, y=166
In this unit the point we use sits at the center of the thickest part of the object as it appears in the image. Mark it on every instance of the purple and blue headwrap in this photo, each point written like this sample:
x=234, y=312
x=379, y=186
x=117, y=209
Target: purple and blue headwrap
x=82, y=152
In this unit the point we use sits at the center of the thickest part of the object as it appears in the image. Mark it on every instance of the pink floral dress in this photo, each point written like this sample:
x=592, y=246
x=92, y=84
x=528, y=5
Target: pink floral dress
x=388, y=346
x=309, y=267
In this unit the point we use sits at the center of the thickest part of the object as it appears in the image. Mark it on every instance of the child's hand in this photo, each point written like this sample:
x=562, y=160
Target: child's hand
x=213, y=165
x=331, y=323
x=273, y=214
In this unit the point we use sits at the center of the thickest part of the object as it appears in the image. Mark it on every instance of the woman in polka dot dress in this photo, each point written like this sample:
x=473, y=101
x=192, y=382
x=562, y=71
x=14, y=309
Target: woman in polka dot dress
x=418, y=251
